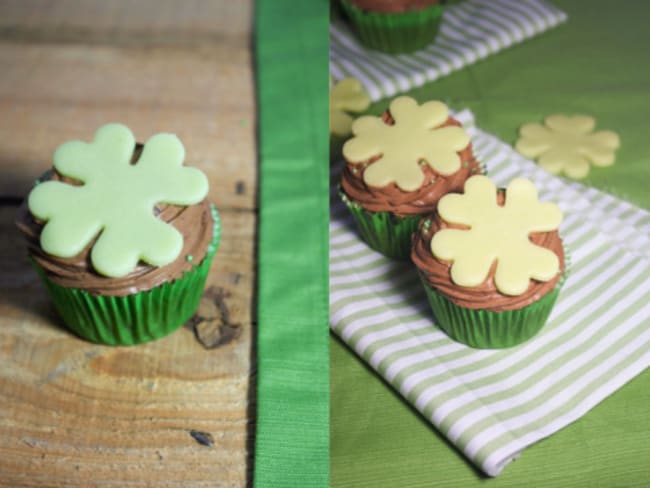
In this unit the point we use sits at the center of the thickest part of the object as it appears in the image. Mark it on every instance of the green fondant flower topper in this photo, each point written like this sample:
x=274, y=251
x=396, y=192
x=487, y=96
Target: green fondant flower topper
x=116, y=200
x=415, y=136
x=567, y=144
x=497, y=233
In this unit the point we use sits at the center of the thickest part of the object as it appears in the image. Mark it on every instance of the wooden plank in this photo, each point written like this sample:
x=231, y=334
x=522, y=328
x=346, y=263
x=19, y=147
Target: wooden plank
x=205, y=96
x=144, y=21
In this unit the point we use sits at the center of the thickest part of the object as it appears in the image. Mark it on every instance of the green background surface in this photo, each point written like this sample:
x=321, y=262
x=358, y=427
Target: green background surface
x=597, y=63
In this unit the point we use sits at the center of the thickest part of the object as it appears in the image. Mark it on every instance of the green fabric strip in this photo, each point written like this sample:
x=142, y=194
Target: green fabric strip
x=292, y=439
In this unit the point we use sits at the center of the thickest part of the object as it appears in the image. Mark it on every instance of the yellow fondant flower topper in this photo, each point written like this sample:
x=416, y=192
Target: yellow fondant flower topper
x=346, y=95
x=567, y=144
x=416, y=136
x=116, y=200
x=497, y=233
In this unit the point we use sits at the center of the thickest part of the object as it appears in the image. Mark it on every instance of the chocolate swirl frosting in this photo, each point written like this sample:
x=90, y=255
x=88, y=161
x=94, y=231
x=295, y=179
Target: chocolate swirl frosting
x=194, y=222
x=484, y=296
x=391, y=198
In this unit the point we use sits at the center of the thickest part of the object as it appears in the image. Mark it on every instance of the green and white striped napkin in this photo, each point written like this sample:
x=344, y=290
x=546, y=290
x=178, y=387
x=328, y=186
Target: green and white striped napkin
x=492, y=404
x=469, y=31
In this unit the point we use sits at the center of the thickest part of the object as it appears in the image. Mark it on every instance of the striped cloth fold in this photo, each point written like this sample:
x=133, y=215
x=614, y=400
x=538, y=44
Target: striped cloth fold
x=492, y=404
x=470, y=30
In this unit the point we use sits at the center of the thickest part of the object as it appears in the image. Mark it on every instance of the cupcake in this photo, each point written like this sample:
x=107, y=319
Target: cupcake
x=394, y=26
x=122, y=235
x=492, y=262
x=397, y=168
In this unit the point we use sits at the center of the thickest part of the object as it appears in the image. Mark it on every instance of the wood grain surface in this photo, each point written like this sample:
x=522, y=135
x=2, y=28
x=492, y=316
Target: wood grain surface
x=178, y=411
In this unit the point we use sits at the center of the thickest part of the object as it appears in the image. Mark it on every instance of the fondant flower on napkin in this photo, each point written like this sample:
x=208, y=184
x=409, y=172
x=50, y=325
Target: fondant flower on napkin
x=115, y=200
x=567, y=144
x=416, y=136
x=496, y=233
x=346, y=95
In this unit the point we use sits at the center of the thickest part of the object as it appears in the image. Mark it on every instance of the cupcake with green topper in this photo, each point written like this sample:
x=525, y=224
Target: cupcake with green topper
x=394, y=26
x=397, y=168
x=492, y=262
x=122, y=235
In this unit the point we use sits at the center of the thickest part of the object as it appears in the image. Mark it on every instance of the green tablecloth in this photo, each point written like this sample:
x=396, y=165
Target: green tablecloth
x=292, y=438
x=596, y=64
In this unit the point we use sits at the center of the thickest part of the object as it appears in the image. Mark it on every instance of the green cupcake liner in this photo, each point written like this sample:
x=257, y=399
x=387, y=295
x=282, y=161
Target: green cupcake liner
x=485, y=329
x=385, y=232
x=137, y=318
x=394, y=33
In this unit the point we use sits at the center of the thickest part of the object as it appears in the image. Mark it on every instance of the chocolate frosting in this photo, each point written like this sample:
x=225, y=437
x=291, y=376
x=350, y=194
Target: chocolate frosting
x=391, y=198
x=194, y=222
x=393, y=6
x=485, y=296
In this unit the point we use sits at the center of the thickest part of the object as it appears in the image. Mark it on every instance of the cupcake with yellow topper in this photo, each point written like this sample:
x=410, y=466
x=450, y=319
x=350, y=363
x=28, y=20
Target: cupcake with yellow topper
x=492, y=262
x=394, y=26
x=397, y=168
x=122, y=235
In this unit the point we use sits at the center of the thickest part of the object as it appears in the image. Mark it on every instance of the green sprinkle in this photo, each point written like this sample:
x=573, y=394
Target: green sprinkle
x=355, y=170
x=465, y=164
x=422, y=162
x=189, y=257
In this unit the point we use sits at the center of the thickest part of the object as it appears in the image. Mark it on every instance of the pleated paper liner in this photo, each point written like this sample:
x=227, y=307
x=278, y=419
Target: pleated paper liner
x=385, y=232
x=394, y=33
x=485, y=329
x=137, y=318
